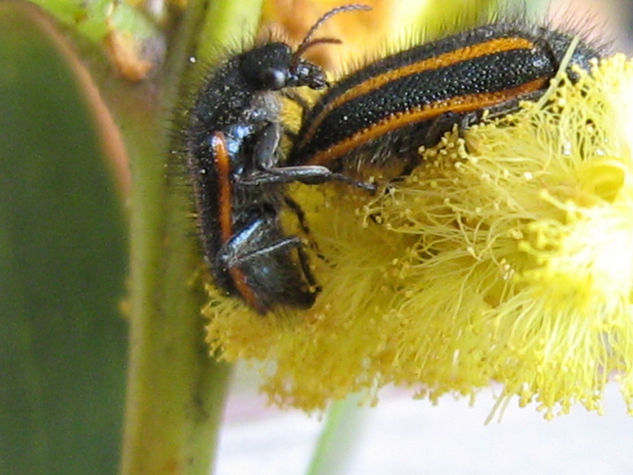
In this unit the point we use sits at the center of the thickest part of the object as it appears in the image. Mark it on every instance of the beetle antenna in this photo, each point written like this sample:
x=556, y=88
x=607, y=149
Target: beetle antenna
x=314, y=42
x=307, y=40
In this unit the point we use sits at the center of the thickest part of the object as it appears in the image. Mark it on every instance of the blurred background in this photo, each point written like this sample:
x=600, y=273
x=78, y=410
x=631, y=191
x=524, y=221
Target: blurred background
x=405, y=436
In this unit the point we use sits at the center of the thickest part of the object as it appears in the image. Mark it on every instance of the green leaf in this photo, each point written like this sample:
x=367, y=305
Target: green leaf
x=62, y=266
x=95, y=18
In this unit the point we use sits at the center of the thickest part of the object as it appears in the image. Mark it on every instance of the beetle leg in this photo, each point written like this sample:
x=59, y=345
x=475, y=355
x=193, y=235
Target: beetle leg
x=240, y=248
x=267, y=171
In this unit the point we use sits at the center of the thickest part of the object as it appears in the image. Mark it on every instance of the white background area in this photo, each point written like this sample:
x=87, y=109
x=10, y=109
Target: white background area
x=404, y=436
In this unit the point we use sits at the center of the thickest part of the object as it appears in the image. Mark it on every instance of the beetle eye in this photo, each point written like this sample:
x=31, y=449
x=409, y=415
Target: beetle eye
x=273, y=78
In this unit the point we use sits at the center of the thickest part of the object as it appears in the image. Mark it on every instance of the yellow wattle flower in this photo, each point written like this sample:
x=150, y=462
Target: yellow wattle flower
x=507, y=256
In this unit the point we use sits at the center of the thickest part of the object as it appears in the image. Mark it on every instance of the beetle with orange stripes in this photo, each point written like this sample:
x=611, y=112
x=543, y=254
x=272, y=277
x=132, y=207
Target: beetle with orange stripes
x=381, y=114
x=231, y=140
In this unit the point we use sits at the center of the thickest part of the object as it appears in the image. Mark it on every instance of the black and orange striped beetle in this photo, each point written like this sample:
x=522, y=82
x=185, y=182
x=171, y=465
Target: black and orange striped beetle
x=231, y=139
x=383, y=113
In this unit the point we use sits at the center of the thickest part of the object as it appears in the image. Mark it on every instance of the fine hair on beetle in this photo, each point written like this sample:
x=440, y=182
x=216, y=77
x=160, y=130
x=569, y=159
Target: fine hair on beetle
x=231, y=134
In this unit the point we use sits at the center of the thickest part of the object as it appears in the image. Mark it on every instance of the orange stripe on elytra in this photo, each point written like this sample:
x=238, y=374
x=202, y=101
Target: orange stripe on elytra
x=223, y=168
x=428, y=111
x=497, y=45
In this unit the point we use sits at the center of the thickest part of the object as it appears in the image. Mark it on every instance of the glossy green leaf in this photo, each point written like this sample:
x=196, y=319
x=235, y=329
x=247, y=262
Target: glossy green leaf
x=62, y=267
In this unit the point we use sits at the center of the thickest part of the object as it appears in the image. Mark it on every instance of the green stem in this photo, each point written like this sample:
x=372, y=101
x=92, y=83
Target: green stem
x=338, y=438
x=175, y=390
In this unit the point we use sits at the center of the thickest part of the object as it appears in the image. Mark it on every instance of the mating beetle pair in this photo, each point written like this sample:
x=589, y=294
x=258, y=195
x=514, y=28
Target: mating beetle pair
x=376, y=115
